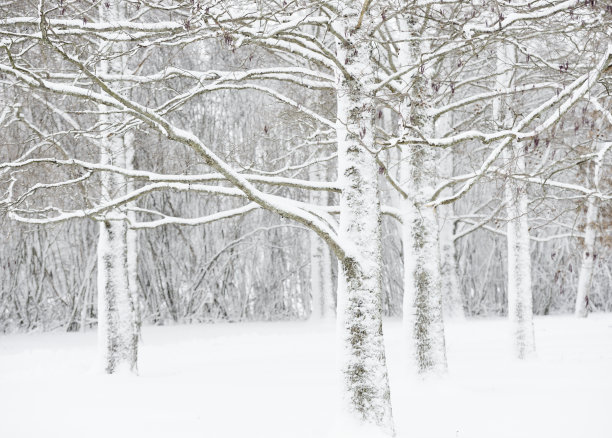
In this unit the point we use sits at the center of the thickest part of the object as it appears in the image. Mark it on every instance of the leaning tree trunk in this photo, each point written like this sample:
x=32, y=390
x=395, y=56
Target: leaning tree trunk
x=520, y=305
x=365, y=388
x=321, y=289
x=422, y=282
x=117, y=328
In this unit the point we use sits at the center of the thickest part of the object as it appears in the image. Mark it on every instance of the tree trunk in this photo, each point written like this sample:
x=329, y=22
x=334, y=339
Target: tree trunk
x=117, y=325
x=451, y=289
x=422, y=304
x=132, y=235
x=422, y=284
x=364, y=381
x=588, y=259
x=519, y=271
x=117, y=333
x=589, y=255
x=520, y=304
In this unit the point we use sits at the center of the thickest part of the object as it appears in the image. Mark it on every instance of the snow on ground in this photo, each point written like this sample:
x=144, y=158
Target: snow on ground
x=277, y=379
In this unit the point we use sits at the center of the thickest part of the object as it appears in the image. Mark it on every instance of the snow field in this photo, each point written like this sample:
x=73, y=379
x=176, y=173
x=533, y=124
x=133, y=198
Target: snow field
x=268, y=380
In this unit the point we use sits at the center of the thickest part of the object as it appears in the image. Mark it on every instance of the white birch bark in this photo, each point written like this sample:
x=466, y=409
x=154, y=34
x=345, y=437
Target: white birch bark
x=132, y=234
x=519, y=271
x=589, y=255
x=588, y=259
x=450, y=288
x=422, y=303
x=365, y=388
x=520, y=305
x=117, y=328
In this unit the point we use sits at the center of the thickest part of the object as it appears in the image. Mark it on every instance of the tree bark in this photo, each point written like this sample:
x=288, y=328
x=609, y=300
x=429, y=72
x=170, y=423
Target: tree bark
x=364, y=381
x=588, y=259
x=520, y=307
x=452, y=301
x=117, y=324
x=422, y=283
x=132, y=234
x=422, y=303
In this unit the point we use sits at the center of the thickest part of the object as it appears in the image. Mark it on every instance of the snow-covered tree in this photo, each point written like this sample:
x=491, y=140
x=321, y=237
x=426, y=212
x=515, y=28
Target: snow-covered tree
x=380, y=77
x=117, y=251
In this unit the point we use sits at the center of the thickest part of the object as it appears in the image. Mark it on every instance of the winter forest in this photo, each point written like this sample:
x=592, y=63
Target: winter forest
x=210, y=209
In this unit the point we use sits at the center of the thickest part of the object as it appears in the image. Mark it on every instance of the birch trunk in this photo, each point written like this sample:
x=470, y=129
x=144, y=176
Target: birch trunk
x=451, y=290
x=519, y=271
x=422, y=303
x=422, y=284
x=365, y=388
x=588, y=256
x=117, y=328
x=132, y=235
x=520, y=310
x=588, y=259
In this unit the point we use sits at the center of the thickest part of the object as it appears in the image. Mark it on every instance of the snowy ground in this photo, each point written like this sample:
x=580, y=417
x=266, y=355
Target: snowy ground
x=277, y=380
